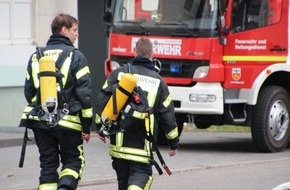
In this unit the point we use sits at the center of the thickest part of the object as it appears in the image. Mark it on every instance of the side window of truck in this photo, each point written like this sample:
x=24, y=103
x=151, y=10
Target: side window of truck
x=251, y=14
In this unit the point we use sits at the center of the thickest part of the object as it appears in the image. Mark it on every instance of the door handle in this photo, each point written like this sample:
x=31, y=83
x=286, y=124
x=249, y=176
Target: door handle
x=277, y=48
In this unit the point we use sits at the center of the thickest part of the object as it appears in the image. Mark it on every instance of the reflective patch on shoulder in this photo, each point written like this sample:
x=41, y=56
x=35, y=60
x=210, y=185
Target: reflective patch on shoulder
x=148, y=81
x=53, y=53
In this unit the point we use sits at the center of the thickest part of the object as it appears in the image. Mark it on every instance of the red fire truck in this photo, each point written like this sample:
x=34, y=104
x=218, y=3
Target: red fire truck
x=225, y=61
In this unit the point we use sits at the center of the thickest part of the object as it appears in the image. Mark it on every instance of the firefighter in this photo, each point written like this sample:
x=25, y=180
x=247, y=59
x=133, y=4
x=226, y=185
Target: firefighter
x=62, y=142
x=130, y=149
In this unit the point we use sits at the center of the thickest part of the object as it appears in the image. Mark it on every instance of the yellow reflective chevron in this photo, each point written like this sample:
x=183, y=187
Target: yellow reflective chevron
x=255, y=58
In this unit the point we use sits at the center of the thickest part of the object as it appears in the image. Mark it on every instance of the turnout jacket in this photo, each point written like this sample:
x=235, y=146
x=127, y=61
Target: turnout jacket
x=133, y=144
x=76, y=87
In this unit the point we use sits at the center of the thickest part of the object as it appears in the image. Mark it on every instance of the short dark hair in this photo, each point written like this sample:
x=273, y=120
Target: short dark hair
x=144, y=48
x=62, y=20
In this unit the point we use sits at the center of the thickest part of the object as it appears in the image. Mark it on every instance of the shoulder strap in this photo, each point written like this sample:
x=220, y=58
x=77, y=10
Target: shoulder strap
x=60, y=60
x=128, y=68
x=64, y=54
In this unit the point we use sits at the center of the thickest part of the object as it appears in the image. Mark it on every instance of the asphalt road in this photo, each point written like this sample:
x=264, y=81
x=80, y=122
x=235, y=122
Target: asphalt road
x=205, y=161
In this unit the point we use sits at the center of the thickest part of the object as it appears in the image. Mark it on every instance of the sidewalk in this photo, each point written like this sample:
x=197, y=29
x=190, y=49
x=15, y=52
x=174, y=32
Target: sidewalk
x=10, y=136
x=97, y=169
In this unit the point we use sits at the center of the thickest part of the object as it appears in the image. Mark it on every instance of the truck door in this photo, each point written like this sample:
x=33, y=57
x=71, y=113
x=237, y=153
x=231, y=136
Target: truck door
x=257, y=37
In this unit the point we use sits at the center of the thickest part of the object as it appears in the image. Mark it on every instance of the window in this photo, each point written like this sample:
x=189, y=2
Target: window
x=250, y=14
x=17, y=21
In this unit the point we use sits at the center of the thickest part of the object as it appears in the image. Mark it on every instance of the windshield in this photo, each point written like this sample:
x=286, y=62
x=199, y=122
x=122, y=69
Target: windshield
x=196, y=18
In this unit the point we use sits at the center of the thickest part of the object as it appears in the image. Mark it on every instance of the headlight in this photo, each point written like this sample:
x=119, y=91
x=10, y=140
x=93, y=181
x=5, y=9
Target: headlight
x=114, y=65
x=201, y=72
x=202, y=98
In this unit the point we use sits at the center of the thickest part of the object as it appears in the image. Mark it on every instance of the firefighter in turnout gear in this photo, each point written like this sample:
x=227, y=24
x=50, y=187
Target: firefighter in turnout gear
x=59, y=135
x=131, y=149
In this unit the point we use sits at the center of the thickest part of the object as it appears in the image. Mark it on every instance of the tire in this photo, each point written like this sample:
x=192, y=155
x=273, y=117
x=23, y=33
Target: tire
x=270, y=124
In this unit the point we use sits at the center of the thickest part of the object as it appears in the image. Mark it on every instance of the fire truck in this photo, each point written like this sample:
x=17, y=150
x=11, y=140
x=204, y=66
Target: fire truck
x=225, y=61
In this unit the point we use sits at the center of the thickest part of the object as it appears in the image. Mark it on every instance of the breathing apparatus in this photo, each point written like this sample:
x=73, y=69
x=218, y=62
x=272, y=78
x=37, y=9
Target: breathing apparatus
x=50, y=82
x=48, y=89
x=117, y=102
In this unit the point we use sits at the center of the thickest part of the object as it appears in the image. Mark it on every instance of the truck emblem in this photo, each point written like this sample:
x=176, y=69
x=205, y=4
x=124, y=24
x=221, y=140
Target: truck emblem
x=236, y=73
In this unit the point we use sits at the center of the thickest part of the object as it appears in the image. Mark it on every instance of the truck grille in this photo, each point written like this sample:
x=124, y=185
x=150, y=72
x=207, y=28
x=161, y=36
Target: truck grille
x=187, y=67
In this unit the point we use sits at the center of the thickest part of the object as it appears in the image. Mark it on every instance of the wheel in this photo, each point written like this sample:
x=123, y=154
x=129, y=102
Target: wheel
x=270, y=125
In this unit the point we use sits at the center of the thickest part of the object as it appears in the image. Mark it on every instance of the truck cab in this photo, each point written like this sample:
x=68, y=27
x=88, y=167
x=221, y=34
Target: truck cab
x=225, y=61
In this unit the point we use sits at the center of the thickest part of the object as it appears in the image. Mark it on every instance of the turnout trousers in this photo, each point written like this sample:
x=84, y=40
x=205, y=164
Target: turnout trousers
x=132, y=175
x=57, y=145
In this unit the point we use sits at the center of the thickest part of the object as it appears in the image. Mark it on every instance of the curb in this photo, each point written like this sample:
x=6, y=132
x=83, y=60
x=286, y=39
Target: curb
x=14, y=142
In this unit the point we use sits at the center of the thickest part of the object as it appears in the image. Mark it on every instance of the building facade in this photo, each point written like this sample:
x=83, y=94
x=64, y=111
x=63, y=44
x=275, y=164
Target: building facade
x=24, y=25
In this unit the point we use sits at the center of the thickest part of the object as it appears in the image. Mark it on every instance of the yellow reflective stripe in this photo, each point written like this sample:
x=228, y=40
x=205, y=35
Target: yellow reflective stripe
x=128, y=150
x=35, y=71
x=139, y=115
x=135, y=158
x=167, y=102
x=97, y=119
x=83, y=72
x=27, y=109
x=105, y=85
x=69, y=172
x=36, y=118
x=134, y=187
x=70, y=125
x=47, y=186
x=72, y=118
x=80, y=148
x=65, y=69
x=254, y=58
x=172, y=134
x=152, y=119
x=34, y=99
x=151, y=97
x=148, y=184
x=24, y=116
x=119, y=139
x=87, y=113
x=34, y=58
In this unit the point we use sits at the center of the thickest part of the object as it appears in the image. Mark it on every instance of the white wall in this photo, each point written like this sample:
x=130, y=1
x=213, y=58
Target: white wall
x=15, y=49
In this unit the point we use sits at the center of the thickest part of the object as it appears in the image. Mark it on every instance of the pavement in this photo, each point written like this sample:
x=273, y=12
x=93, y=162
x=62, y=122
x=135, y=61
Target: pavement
x=97, y=169
x=97, y=172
